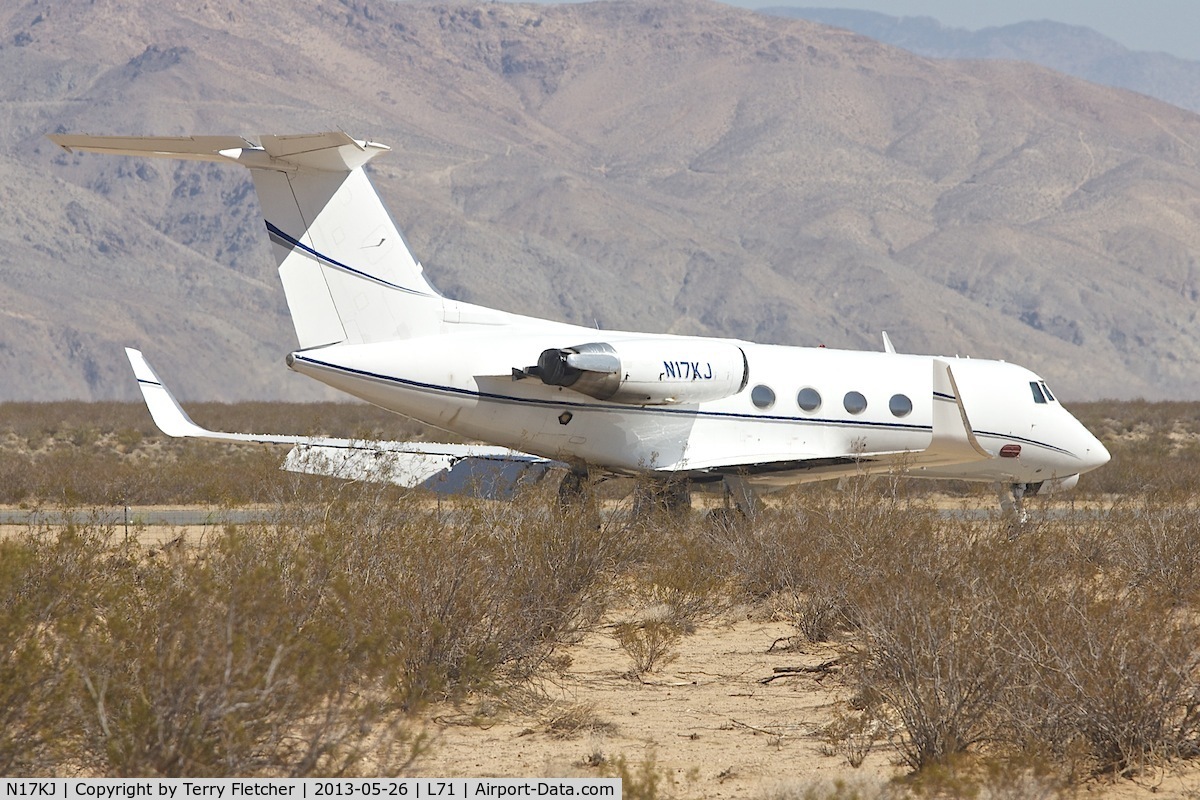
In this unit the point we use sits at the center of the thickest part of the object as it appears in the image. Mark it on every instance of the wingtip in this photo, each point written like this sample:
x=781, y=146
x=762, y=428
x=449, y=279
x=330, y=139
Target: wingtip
x=168, y=415
x=141, y=367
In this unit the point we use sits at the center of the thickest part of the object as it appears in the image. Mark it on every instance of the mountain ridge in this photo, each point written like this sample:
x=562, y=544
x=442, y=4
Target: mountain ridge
x=1073, y=49
x=683, y=167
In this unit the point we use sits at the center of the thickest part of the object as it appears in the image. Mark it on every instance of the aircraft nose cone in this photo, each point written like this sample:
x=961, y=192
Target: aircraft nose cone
x=1094, y=454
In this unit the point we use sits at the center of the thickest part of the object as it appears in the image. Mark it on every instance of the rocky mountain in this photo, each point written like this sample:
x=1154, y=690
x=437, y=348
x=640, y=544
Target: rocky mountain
x=677, y=166
x=1072, y=49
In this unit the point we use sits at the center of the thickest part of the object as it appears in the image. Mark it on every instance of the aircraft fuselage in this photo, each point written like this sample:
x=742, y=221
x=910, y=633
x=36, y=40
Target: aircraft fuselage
x=462, y=382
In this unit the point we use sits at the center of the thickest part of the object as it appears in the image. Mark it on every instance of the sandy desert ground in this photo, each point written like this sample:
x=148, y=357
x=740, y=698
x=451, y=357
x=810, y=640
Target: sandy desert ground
x=717, y=721
x=707, y=719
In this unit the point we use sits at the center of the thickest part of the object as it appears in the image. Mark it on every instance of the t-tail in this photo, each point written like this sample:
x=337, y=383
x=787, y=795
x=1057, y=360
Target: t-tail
x=346, y=271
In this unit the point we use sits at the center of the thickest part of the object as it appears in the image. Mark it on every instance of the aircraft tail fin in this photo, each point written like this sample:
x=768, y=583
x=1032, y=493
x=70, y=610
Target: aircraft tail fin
x=346, y=271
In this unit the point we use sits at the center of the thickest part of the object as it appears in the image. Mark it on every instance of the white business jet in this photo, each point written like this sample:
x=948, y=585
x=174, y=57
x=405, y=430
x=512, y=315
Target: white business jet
x=679, y=410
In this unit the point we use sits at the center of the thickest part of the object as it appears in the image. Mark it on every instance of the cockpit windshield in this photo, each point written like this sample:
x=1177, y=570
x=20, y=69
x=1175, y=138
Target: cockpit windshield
x=1041, y=392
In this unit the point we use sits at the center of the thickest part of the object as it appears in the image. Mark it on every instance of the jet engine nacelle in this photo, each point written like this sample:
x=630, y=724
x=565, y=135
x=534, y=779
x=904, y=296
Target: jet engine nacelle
x=645, y=371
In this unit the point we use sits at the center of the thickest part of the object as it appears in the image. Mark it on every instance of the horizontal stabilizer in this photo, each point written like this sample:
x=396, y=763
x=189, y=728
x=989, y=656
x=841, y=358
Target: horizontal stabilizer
x=479, y=470
x=333, y=151
x=194, y=148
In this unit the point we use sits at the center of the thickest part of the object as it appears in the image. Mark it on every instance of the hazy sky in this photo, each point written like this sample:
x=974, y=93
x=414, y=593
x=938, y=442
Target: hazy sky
x=1169, y=26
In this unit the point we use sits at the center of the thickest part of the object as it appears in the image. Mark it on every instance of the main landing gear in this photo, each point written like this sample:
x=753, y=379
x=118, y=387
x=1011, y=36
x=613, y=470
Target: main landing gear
x=741, y=503
x=649, y=496
x=671, y=497
x=574, y=489
x=654, y=497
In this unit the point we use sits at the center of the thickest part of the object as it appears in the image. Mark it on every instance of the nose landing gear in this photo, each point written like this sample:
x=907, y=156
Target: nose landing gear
x=1012, y=502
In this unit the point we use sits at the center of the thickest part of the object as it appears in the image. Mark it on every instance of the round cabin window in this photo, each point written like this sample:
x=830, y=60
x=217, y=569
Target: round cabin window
x=854, y=402
x=762, y=396
x=900, y=405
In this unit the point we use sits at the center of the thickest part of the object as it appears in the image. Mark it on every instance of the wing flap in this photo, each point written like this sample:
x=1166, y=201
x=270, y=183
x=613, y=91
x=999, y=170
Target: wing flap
x=478, y=472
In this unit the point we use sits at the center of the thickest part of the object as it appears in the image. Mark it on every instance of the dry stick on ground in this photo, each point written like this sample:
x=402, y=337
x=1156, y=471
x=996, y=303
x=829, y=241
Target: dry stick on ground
x=824, y=668
x=786, y=639
x=741, y=724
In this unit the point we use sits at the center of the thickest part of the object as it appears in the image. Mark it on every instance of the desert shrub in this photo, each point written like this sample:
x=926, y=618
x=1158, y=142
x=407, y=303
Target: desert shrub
x=129, y=439
x=986, y=778
x=1156, y=548
x=288, y=647
x=817, y=614
x=205, y=666
x=644, y=781
x=860, y=788
x=925, y=596
x=1074, y=639
x=821, y=547
x=40, y=584
x=774, y=551
x=1152, y=465
x=649, y=643
x=760, y=552
x=442, y=604
x=557, y=572
x=17, y=479
x=1108, y=677
x=970, y=639
x=934, y=629
x=1155, y=448
x=673, y=578
x=191, y=472
x=677, y=568
x=574, y=720
x=852, y=736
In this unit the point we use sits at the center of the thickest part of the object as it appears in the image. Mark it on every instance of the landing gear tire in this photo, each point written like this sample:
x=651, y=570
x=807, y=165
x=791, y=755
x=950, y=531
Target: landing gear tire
x=573, y=490
x=1012, y=505
x=661, y=497
x=726, y=519
x=577, y=500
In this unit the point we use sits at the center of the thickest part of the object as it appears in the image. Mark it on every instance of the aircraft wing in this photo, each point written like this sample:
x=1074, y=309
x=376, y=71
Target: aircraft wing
x=480, y=470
